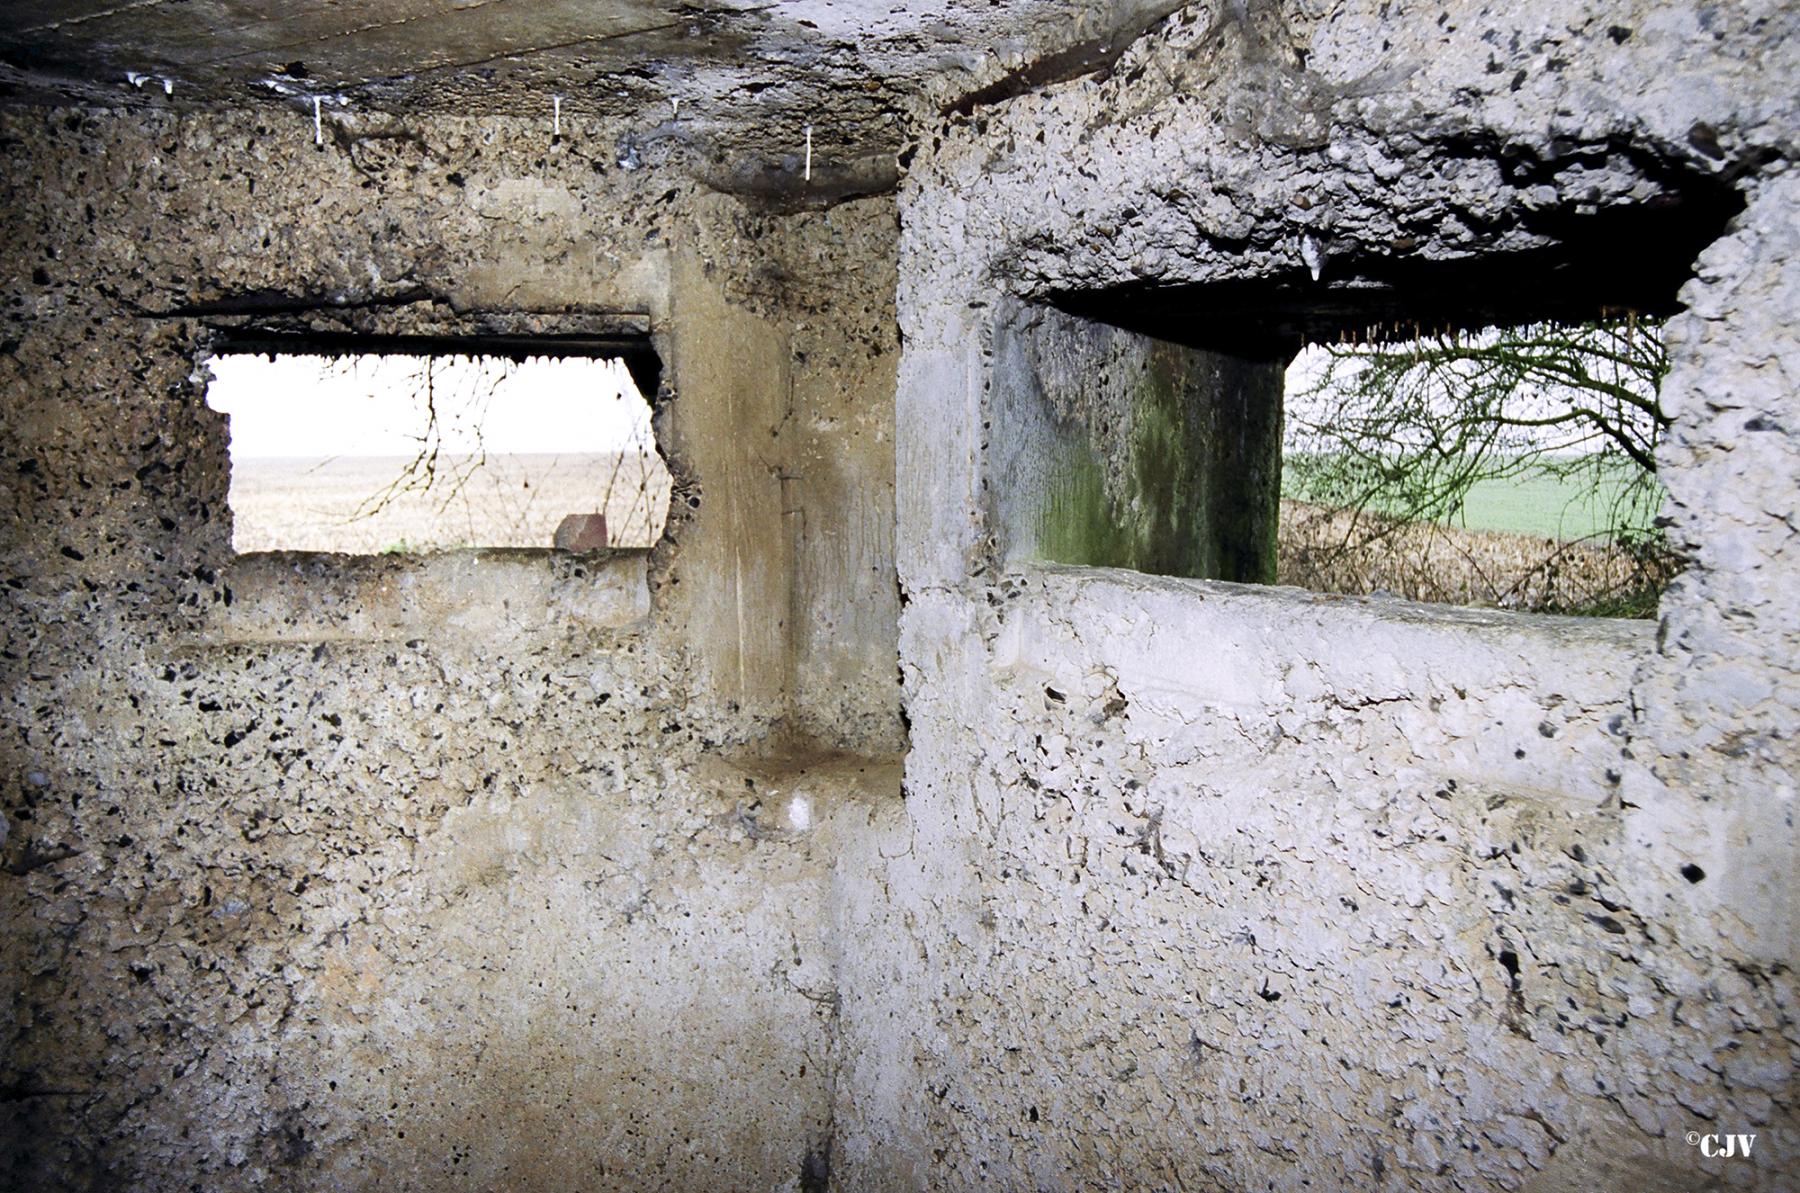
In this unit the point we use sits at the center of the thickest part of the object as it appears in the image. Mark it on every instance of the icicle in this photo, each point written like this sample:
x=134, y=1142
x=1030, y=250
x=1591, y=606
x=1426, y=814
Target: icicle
x=138, y=79
x=1313, y=253
x=809, y=153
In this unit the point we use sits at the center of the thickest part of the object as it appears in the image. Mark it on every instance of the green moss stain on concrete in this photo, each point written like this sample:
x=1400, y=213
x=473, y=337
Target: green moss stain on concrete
x=1167, y=480
x=1195, y=494
x=1076, y=522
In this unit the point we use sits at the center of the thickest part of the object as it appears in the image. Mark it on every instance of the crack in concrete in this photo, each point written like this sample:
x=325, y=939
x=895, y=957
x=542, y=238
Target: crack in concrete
x=53, y=26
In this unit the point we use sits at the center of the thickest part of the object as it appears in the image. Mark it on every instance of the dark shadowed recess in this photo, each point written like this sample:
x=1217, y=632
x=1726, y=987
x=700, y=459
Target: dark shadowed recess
x=1609, y=263
x=636, y=351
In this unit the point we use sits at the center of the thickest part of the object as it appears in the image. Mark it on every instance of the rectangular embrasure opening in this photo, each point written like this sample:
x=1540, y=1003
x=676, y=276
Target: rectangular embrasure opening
x=1510, y=467
x=1479, y=431
x=405, y=445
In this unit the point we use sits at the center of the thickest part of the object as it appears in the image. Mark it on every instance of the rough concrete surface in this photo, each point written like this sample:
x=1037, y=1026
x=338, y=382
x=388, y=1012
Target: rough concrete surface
x=1228, y=888
x=401, y=873
x=526, y=870
x=732, y=89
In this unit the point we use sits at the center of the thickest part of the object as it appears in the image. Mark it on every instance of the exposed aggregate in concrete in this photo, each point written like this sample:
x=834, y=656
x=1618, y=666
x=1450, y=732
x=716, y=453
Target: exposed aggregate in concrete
x=404, y=874
x=1230, y=888
x=1210, y=886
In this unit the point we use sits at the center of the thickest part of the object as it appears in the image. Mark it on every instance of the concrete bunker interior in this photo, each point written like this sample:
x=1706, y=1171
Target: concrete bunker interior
x=838, y=841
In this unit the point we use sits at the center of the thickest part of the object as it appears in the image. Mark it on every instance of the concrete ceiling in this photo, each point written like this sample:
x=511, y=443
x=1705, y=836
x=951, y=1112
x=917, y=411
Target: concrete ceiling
x=738, y=80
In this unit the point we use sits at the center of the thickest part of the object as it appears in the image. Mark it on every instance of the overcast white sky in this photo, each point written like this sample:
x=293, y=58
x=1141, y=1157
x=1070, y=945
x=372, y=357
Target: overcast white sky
x=1532, y=400
x=376, y=405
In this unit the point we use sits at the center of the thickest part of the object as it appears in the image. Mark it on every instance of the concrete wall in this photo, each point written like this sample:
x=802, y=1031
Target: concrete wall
x=434, y=873
x=1204, y=886
x=507, y=870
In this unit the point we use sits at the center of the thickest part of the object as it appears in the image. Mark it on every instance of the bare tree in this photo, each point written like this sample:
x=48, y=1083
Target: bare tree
x=460, y=476
x=1390, y=436
x=430, y=467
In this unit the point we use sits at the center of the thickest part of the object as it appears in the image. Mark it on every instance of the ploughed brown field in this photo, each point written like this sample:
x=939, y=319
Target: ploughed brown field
x=361, y=505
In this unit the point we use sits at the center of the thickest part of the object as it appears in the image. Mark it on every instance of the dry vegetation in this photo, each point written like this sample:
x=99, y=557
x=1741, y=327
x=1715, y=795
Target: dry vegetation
x=351, y=504
x=1322, y=550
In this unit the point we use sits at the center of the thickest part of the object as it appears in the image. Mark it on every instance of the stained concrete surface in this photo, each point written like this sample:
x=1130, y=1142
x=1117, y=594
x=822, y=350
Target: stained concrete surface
x=1127, y=451
x=529, y=872
x=1226, y=888
x=734, y=87
x=402, y=873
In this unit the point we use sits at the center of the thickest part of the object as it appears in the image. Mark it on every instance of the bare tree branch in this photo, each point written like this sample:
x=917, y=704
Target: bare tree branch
x=1398, y=434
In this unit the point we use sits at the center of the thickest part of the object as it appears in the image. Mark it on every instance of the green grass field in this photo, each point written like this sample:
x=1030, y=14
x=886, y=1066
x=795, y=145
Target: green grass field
x=1548, y=506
